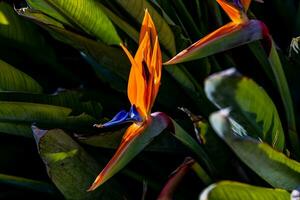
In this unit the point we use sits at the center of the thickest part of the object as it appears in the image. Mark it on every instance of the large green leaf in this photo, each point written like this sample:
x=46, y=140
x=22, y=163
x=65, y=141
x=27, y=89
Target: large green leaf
x=17, y=31
x=136, y=7
x=229, y=190
x=44, y=7
x=18, y=34
x=12, y=79
x=69, y=167
x=274, y=167
x=251, y=106
x=17, y=117
x=86, y=14
x=78, y=101
x=286, y=97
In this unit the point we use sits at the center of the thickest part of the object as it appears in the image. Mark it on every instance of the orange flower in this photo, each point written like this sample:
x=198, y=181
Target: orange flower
x=143, y=86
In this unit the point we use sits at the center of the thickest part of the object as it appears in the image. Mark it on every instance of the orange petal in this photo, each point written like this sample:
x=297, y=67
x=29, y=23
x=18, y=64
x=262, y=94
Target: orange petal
x=235, y=14
x=136, y=82
x=133, y=131
x=156, y=65
x=148, y=26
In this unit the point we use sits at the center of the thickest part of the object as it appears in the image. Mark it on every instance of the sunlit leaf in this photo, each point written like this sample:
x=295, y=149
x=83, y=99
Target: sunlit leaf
x=229, y=190
x=69, y=167
x=250, y=105
x=274, y=167
x=94, y=22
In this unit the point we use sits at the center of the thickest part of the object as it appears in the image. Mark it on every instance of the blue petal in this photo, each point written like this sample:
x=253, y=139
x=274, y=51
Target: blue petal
x=134, y=114
x=124, y=117
x=119, y=118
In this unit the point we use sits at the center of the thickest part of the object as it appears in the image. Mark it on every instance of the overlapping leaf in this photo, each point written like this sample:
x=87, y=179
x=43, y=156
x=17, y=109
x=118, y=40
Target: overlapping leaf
x=252, y=108
x=274, y=167
x=17, y=117
x=94, y=22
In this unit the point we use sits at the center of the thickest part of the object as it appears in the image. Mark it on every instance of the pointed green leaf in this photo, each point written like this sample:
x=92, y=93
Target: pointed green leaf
x=286, y=97
x=94, y=22
x=78, y=101
x=12, y=79
x=274, y=167
x=229, y=190
x=17, y=115
x=69, y=167
x=250, y=105
x=43, y=6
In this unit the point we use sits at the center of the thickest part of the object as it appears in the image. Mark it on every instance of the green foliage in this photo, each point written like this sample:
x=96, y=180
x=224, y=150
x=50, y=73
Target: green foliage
x=11, y=79
x=250, y=106
x=61, y=70
x=69, y=167
x=274, y=167
x=235, y=191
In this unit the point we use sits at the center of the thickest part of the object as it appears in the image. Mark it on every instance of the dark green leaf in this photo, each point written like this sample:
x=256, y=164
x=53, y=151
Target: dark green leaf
x=12, y=79
x=14, y=116
x=76, y=100
x=136, y=7
x=286, y=97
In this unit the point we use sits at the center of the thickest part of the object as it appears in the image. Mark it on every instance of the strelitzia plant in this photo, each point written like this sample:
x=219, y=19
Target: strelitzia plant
x=143, y=85
x=242, y=30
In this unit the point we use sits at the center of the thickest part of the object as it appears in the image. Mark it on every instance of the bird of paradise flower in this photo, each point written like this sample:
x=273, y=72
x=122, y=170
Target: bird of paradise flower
x=143, y=85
